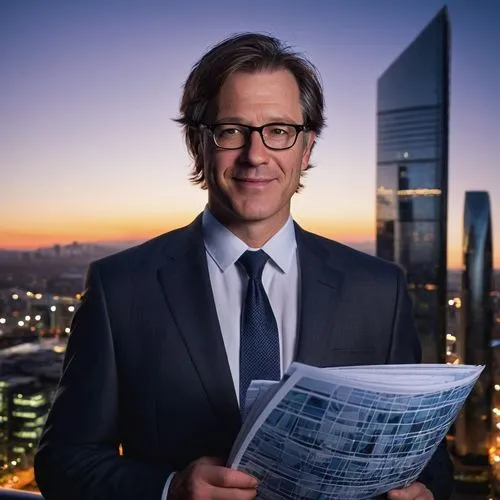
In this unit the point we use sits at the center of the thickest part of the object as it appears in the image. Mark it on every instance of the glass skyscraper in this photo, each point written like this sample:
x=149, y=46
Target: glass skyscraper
x=474, y=346
x=412, y=176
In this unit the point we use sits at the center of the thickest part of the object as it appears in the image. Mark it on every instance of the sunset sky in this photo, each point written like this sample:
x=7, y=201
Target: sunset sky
x=88, y=90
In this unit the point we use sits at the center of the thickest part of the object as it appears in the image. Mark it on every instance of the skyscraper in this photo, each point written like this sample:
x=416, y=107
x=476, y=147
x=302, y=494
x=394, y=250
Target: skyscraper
x=474, y=428
x=412, y=175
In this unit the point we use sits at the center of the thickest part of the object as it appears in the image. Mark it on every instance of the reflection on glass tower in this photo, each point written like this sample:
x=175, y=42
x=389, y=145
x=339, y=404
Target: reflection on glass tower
x=474, y=426
x=412, y=175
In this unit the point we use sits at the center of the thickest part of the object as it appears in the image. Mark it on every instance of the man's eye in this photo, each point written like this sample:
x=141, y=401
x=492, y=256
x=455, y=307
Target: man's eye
x=230, y=132
x=279, y=131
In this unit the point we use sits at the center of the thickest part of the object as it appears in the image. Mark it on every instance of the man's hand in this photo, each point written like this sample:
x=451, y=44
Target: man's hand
x=207, y=479
x=416, y=491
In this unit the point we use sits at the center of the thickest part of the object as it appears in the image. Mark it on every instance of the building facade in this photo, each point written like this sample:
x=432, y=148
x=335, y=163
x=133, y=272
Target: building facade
x=473, y=438
x=412, y=176
x=24, y=404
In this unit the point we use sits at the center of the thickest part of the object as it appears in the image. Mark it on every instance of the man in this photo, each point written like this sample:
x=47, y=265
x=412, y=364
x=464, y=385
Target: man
x=169, y=333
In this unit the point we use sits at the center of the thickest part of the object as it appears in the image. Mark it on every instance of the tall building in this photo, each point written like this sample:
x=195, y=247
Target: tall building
x=24, y=405
x=412, y=176
x=473, y=437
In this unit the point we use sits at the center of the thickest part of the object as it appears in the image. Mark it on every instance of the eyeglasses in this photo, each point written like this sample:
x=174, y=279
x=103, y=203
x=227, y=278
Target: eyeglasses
x=277, y=136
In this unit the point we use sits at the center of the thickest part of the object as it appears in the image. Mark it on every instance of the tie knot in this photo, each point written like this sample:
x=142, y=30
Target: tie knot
x=254, y=262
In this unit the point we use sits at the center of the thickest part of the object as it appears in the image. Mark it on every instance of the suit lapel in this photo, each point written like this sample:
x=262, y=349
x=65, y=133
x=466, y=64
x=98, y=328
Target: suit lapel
x=186, y=286
x=320, y=292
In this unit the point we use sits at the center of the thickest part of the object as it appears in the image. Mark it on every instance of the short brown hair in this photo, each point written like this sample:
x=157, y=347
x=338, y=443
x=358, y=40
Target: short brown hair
x=246, y=52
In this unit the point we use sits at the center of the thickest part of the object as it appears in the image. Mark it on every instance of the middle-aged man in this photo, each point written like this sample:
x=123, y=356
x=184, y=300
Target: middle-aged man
x=170, y=333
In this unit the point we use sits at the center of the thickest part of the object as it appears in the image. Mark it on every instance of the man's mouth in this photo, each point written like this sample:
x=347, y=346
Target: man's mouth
x=257, y=182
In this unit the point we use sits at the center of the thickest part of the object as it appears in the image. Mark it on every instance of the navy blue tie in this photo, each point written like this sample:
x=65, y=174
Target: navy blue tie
x=259, y=340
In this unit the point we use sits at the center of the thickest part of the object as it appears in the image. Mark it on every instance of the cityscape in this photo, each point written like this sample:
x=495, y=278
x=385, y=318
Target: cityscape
x=456, y=306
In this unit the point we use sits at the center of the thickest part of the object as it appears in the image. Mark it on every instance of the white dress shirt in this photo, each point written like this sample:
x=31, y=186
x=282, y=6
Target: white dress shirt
x=229, y=282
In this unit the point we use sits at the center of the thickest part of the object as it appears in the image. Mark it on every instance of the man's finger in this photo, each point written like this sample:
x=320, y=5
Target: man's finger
x=233, y=494
x=416, y=491
x=210, y=461
x=224, y=477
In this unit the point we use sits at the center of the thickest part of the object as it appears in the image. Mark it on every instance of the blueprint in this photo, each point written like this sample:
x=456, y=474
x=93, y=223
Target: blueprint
x=348, y=432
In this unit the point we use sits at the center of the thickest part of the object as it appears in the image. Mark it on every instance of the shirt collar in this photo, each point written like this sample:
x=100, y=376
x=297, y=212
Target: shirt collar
x=226, y=248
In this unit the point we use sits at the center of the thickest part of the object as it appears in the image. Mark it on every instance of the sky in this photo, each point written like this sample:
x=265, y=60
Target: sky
x=89, y=150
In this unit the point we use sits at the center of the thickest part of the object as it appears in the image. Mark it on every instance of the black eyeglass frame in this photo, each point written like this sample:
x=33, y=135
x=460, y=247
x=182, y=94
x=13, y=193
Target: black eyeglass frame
x=251, y=130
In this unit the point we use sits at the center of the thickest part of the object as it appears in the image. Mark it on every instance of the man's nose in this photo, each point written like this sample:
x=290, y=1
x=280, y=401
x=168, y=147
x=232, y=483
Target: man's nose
x=256, y=151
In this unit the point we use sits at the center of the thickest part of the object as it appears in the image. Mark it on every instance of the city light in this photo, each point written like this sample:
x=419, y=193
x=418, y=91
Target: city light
x=53, y=308
x=71, y=308
x=419, y=192
x=27, y=318
x=20, y=323
x=383, y=191
x=67, y=330
x=2, y=321
x=38, y=317
x=15, y=296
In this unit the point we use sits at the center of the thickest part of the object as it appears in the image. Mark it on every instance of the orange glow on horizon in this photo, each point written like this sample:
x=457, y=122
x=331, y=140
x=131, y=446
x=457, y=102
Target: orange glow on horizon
x=343, y=230
x=140, y=229
x=88, y=232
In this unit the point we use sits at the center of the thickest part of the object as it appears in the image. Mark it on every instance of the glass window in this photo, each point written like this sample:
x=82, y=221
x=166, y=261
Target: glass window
x=418, y=245
x=419, y=192
x=387, y=187
x=410, y=134
x=385, y=240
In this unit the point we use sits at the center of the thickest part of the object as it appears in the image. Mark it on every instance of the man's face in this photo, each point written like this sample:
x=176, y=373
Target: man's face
x=255, y=183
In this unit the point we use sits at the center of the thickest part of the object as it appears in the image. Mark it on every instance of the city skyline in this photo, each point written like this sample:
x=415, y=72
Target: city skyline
x=89, y=151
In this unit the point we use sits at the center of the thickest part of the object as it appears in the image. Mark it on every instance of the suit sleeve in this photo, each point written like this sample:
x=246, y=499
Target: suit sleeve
x=437, y=476
x=78, y=454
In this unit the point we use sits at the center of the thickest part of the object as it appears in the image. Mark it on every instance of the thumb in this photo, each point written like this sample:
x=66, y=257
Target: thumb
x=396, y=495
x=210, y=461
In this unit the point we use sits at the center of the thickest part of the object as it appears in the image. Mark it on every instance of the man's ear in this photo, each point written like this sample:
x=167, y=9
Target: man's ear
x=310, y=141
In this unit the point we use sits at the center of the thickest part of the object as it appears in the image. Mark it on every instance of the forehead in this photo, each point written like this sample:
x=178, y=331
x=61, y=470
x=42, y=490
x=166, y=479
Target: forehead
x=258, y=97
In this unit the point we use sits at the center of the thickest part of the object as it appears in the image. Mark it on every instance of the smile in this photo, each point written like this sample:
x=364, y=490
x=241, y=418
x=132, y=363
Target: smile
x=253, y=182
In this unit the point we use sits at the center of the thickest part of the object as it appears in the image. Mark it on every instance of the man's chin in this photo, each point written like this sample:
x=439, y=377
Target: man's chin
x=253, y=215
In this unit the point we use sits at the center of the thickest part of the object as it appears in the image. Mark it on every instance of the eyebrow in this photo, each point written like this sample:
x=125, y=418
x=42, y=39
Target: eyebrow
x=234, y=119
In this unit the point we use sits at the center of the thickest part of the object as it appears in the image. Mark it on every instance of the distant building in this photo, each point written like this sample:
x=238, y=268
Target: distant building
x=29, y=374
x=23, y=409
x=473, y=436
x=412, y=176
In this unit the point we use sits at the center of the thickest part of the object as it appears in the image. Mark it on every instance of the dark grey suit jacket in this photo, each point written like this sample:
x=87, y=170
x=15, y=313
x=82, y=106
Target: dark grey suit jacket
x=146, y=366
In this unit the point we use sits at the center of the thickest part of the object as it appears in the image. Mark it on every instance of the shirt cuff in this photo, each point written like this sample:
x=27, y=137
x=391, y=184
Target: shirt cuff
x=164, y=495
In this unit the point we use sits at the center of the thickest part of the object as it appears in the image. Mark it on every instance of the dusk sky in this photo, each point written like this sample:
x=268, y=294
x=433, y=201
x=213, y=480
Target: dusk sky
x=88, y=90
